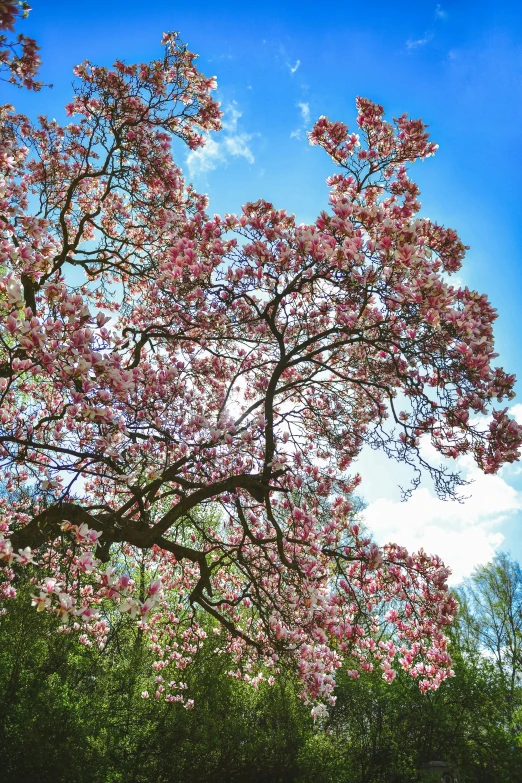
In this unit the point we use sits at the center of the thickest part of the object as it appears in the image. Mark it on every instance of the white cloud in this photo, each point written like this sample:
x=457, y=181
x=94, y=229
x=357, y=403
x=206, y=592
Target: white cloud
x=238, y=146
x=516, y=412
x=439, y=12
x=293, y=68
x=305, y=119
x=220, y=57
x=231, y=115
x=305, y=111
x=231, y=144
x=410, y=44
x=205, y=158
x=464, y=534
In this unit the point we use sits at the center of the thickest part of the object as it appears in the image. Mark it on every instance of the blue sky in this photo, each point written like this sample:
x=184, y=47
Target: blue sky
x=279, y=66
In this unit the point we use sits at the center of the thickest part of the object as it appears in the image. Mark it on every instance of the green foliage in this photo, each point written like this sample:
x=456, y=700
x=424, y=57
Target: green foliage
x=392, y=731
x=73, y=713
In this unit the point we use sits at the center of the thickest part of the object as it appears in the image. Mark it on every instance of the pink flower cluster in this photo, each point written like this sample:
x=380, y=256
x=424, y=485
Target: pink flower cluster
x=19, y=58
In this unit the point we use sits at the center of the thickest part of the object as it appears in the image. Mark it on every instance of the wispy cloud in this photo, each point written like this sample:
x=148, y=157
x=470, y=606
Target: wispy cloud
x=282, y=57
x=231, y=115
x=305, y=111
x=205, y=158
x=215, y=153
x=304, y=108
x=220, y=58
x=232, y=144
x=416, y=44
x=237, y=146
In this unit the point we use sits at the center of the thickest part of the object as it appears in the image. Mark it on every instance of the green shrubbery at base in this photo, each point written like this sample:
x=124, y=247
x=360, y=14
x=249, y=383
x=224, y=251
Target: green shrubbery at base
x=73, y=713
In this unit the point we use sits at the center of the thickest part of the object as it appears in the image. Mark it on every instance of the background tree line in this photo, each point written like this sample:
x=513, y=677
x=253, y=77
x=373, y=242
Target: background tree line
x=69, y=712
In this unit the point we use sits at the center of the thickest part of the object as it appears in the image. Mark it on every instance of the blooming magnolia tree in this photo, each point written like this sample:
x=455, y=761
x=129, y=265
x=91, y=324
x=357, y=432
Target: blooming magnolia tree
x=188, y=394
x=19, y=58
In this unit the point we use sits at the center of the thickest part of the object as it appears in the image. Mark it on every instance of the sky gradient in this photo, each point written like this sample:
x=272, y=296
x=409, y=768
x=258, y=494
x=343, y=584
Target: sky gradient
x=458, y=65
